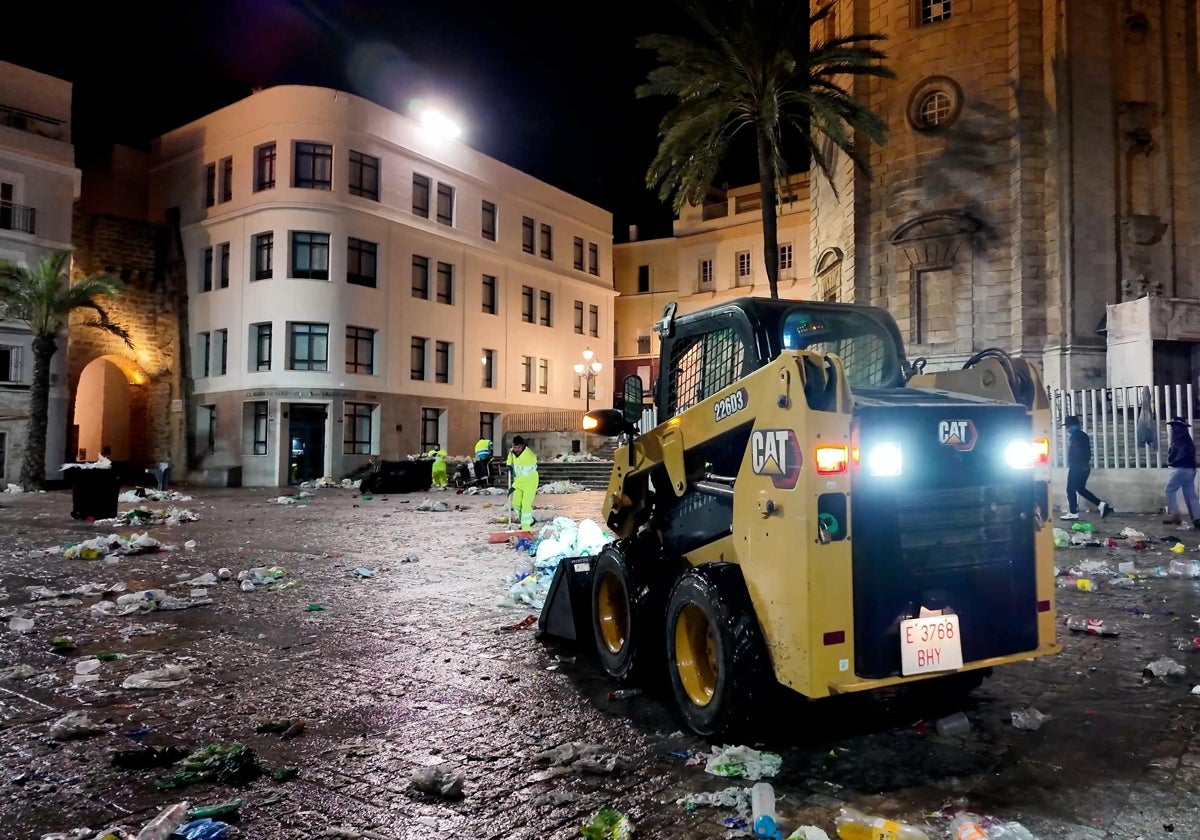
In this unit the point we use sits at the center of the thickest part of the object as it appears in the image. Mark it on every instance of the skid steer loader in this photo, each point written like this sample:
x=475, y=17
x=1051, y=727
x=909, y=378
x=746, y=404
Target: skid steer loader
x=813, y=510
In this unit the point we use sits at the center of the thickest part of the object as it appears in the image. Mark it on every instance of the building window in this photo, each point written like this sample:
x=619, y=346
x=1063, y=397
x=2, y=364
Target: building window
x=308, y=346
x=706, y=272
x=264, y=255
x=204, y=347
x=417, y=365
x=489, y=369
x=785, y=257
x=260, y=336
x=934, y=108
x=210, y=185
x=361, y=262
x=445, y=283
x=206, y=425
x=527, y=374
x=264, y=167
x=527, y=304
x=357, y=431
x=488, y=225
x=441, y=361
x=593, y=259
x=364, y=175
x=10, y=363
x=543, y=376
x=487, y=425
x=314, y=166
x=206, y=272
x=527, y=234
x=579, y=317
x=594, y=321
x=643, y=342
x=489, y=294
x=934, y=103
x=259, y=428
x=547, y=241
x=643, y=279
x=360, y=350
x=222, y=337
x=310, y=255
x=934, y=10
x=420, y=201
x=545, y=305
x=226, y=179
x=431, y=421
x=445, y=204
x=420, y=277
x=743, y=264
x=577, y=253
x=223, y=275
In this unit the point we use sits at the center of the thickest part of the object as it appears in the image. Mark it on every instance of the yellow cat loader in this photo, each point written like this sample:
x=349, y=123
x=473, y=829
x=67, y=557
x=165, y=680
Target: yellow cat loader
x=813, y=510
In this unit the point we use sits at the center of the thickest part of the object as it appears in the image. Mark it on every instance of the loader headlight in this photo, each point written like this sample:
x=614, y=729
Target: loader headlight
x=884, y=459
x=1020, y=455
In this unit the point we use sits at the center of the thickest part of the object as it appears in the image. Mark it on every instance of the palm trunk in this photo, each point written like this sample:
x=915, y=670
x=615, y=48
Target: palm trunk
x=770, y=222
x=33, y=462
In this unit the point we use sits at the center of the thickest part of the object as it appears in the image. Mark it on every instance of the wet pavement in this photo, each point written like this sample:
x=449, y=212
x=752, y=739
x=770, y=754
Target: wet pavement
x=411, y=669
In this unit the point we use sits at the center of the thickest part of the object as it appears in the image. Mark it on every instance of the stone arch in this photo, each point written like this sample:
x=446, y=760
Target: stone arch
x=108, y=411
x=827, y=278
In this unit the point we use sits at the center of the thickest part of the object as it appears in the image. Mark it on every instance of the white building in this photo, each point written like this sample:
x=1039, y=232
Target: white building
x=359, y=286
x=38, y=187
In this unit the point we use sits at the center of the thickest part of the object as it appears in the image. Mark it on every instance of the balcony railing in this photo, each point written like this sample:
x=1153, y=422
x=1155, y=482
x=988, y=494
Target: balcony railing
x=34, y=123
x=17, y=217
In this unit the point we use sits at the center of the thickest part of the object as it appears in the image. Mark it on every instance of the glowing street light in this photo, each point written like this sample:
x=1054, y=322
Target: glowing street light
x=587, y=371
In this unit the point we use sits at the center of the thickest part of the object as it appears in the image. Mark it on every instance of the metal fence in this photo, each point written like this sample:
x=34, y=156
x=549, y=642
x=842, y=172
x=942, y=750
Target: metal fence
x=1128, y=426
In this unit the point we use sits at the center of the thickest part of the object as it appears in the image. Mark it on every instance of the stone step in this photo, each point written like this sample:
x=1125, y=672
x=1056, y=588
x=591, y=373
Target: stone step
x=591, y=474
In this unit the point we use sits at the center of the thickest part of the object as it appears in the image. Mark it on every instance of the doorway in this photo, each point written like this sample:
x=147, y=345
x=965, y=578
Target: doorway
x=306, y=437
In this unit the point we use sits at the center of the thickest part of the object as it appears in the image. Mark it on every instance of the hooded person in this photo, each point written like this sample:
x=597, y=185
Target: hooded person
x=522, y=466
x=1079, y=467
x=1181, y=460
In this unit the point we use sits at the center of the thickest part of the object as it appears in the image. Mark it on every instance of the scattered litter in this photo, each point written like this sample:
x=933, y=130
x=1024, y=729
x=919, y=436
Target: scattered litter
x=113, y=544
x=955, y=724
x=441, y=780
x=190, y=545
x=561, y=538
x=431, y=505
x=808, y=832
x=221, y=809
x=14, y=489
x=19, y=672
x=231, y=764
x=524, y=624
x=141, y=517
x=203, y=829
x=607, y=824
x=147, y=758
x=1030, y=719
x=412, y=558
x=363, y=572
x=1164, y=668
x=21, y=625
x=739, y=761
x=167, y=677
x=1132, y=534
x=734, y=798
x=140, y=495
x=74, y=725
x=558, y=487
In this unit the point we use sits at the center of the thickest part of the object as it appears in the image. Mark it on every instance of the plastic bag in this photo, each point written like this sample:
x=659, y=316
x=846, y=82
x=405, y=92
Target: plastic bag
x=202, y=829
x=1028, y=719
x=168, y=677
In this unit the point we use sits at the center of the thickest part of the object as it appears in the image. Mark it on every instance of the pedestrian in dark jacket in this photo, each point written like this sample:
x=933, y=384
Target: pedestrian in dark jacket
x=1181, y=458
x=1079, y=467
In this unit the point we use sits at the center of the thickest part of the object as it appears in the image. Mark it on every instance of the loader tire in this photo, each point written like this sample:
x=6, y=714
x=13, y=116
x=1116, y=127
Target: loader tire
x=717, y=658
x=627, y=608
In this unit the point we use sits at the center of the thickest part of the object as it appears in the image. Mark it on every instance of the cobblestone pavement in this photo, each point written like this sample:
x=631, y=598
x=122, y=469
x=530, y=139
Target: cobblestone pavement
x=407, y=670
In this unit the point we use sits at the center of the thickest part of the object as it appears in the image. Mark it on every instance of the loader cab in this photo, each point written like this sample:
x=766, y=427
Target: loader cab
x=704, y=352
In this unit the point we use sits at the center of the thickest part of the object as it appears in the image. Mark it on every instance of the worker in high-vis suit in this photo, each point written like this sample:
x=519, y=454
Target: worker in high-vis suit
x=522, y=467
x=483, y=454
x=439, y=466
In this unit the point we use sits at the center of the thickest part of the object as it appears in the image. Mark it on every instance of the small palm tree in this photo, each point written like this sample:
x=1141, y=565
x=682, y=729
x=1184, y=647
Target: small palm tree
x=42, y=296
x=754, y=67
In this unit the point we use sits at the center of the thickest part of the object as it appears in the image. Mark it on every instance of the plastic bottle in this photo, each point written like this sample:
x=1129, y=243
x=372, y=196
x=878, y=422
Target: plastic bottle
x=161, y=827
x=1094, y=626
x=1010, y=831
x=853, y=824
x=762, y=805
x=967, y=827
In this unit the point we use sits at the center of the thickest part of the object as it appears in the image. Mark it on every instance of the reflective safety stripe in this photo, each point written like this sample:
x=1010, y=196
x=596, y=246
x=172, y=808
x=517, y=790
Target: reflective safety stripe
x=524, y=469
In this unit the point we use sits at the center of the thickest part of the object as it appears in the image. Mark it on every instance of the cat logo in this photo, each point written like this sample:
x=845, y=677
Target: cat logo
x=957, y=434
x=776, y=453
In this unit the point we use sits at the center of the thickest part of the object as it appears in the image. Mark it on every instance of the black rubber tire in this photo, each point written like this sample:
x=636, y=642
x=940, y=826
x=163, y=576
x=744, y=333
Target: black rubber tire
x=735, y=675
x=627, y=602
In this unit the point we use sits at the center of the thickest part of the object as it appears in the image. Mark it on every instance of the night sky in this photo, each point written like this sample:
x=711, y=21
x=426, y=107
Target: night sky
x=547, y=87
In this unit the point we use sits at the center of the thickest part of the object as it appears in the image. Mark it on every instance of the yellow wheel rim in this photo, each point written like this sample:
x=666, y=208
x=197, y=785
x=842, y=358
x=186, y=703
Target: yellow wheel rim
x=611, y=610
x=696, y=654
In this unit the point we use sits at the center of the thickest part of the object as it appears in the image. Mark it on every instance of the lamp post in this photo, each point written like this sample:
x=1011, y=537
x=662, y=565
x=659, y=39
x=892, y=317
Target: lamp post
x=587, y=371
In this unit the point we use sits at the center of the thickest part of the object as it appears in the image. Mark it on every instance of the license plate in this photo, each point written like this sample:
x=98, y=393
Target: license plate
x=930, y=644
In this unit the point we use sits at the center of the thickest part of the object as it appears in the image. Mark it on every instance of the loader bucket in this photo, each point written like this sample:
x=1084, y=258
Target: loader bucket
x=567, y=613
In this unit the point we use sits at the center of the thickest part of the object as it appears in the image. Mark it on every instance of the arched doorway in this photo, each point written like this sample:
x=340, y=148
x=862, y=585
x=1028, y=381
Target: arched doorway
x=109, y=413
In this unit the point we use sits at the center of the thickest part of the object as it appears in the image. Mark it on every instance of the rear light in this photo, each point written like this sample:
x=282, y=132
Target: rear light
x=832, y=460
x=1041, y=452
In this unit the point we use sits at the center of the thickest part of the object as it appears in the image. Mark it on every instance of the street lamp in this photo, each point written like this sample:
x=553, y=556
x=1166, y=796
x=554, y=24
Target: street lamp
x=587, y=371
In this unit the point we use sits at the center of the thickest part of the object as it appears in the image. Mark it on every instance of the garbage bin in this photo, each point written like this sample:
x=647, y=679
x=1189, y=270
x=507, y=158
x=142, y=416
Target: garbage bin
x=94, y=493
x=399, y=477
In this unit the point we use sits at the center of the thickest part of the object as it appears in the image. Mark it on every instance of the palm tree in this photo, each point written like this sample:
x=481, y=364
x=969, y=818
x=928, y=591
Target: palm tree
x=754, y=67
x=42, y=296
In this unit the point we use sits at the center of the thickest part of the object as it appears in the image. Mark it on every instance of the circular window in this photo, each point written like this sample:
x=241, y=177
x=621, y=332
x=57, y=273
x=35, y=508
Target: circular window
x=935, y=103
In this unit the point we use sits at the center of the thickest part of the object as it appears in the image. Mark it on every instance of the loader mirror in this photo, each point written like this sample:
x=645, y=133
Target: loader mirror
x=665, y=326
x=631, y=402
x=607, y=422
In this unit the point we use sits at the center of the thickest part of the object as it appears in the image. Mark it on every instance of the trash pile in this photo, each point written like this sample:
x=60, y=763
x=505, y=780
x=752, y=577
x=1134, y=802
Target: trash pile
x=301, y=498
x=14, y=489
x=111, y=546
x=561, y=538
x=560, y=487
x=575, y=458
x=140, y=517
x=327, y=481
x=146, y=494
